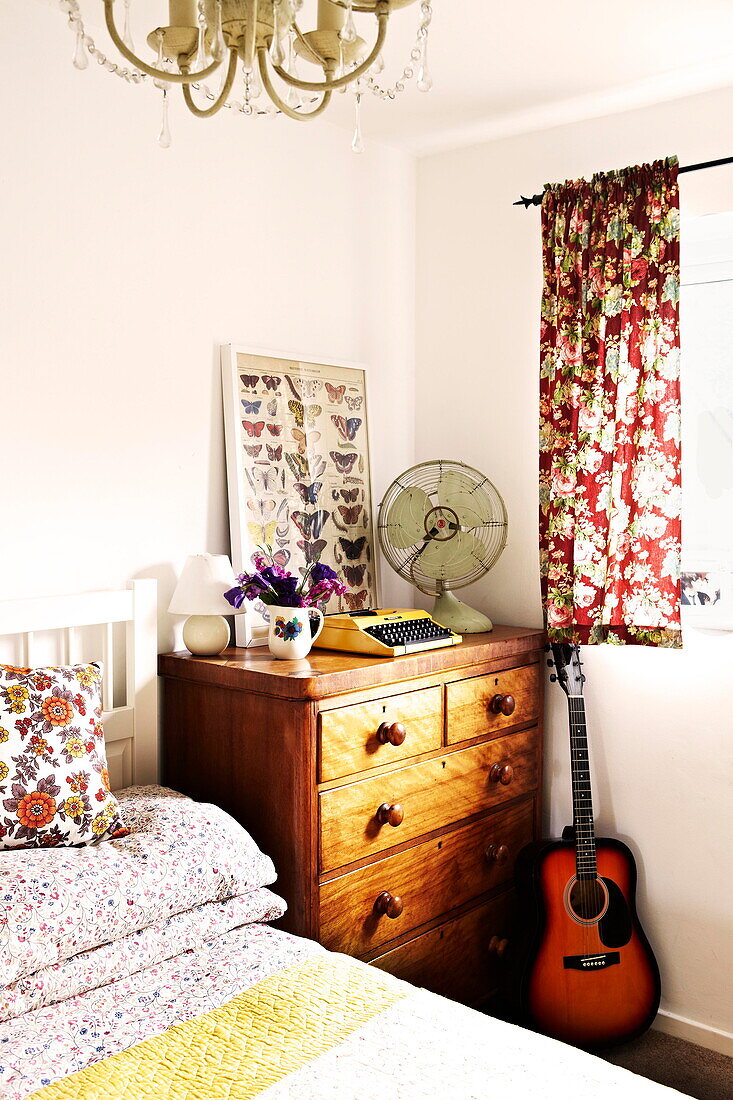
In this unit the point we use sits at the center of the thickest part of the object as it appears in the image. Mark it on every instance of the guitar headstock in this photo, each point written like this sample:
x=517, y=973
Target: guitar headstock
x=568, y=668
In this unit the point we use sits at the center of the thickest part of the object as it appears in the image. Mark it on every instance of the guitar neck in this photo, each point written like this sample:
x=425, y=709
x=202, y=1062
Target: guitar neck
x=585, y=838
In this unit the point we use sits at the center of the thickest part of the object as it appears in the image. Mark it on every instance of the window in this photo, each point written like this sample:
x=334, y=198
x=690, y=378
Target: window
x=706, y=319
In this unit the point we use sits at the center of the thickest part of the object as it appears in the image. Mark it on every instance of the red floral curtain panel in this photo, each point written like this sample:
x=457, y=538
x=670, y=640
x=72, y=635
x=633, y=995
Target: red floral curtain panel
x=610, y=489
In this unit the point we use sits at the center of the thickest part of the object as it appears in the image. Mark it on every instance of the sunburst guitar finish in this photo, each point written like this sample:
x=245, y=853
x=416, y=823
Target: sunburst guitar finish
x=589, y=976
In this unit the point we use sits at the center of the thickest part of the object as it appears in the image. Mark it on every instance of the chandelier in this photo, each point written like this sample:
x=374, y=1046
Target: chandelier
x=263, y=37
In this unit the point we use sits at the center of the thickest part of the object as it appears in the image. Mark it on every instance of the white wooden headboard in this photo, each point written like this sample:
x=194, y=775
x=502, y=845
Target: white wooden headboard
x=131, y=727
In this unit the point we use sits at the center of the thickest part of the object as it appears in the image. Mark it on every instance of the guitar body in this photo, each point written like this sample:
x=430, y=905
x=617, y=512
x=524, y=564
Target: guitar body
x=589, y=977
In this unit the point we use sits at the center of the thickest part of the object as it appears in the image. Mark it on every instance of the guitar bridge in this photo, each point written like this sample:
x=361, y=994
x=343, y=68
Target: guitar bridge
x=591, y=962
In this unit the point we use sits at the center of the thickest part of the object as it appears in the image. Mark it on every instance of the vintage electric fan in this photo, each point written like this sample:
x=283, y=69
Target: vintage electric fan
x=442, y=525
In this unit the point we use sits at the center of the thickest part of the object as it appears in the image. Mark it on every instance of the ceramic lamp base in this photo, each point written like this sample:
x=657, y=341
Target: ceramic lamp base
x=205, y=635
x=455, y=615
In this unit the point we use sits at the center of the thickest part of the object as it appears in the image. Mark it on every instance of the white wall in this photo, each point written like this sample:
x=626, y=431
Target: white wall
x=660, y=721
x=123, y=268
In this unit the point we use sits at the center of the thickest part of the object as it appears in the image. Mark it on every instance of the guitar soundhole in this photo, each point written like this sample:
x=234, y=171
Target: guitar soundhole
x=587, y=901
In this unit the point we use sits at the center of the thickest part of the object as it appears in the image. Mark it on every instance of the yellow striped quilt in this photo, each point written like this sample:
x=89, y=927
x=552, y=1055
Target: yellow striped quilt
x=248, y=1045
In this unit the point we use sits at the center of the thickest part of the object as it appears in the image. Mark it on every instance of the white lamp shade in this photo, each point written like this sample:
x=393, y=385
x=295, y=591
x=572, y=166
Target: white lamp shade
x=201, y=587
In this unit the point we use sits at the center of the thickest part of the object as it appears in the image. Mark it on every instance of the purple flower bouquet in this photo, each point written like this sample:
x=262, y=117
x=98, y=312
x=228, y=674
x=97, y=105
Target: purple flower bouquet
x=275, y=587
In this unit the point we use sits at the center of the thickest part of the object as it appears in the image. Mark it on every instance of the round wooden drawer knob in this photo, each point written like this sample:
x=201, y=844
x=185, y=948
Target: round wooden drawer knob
x=498, y=946
x=388, y=906
x=497, y=853
x=501, y=773
x=390, y=813
x=393, y=733
x=503, y=704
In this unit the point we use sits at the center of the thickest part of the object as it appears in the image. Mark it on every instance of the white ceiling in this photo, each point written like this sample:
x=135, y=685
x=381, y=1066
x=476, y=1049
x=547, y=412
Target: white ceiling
x=501, y=67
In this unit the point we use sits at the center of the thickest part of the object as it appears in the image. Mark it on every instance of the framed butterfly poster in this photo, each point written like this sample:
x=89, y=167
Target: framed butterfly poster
x=297, y=443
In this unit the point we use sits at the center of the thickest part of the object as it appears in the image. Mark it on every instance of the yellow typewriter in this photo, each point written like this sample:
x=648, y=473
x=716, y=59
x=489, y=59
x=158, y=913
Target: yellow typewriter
x=384, y=633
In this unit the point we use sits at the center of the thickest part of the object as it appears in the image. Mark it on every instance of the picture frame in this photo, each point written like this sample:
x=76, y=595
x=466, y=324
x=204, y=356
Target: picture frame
x=299, y=472
x=707, y=591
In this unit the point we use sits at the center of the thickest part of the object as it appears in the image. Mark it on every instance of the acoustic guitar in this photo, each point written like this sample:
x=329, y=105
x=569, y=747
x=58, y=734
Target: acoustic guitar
x=588, y=975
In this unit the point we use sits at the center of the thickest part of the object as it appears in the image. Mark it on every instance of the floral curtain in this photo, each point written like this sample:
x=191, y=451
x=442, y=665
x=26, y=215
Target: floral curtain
x=610, y=488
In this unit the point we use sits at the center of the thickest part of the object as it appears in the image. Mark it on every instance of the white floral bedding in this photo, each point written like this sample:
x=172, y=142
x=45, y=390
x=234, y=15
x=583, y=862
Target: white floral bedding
x=115, y=982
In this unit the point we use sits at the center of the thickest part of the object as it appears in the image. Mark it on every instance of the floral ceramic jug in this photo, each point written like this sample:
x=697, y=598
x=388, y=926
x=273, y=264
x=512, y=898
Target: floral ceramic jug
x=290, y=631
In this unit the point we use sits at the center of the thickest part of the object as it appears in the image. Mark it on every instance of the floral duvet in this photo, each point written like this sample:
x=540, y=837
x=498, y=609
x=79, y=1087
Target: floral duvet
x=207, y=1002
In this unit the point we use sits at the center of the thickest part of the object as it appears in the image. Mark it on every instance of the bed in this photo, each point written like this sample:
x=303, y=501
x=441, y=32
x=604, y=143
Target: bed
x=145, y=966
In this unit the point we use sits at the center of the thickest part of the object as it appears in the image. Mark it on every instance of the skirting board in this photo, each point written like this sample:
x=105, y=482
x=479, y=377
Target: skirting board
x=701, y=1034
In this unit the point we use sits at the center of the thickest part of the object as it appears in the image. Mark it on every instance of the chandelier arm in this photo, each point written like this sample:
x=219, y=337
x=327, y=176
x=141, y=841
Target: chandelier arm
x=318, y=59
x=207, y=112
x=300, y=116
x=160, y=74
x=348, y=78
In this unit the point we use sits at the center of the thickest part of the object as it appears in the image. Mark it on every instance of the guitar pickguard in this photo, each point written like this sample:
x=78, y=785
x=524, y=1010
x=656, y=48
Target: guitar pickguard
x=615, y=927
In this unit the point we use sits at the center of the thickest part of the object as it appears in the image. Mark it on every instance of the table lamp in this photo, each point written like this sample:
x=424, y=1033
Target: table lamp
x=200, y=595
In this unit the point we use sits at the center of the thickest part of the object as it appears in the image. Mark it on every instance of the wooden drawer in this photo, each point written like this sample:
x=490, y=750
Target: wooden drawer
x=431, y=795
x=457, y=959
x=472, y=711
x=349, y=742
x=429, y=880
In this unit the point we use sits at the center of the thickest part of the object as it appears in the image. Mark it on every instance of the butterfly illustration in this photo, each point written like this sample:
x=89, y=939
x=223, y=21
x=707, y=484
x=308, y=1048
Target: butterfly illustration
x=335, y=393
x=312, y=550
x=350, y=495
x=347, y=429
x=251, y=408
x=304, y=413
x=275, y=429
x=350, y=512
x=309, y=493
x=305, y=440
x=262, y=480
x=262, y=534
x=281, y=558
x=254, y=431
x=271, y=382
x=310, y=524
x=344, y=463
x=353, y=550
x=356, y=600
x=298, y=464
x=249, y=381
x=355, y=574
x=253, y=449
x=264, y=507
x=274, y=453
x=272, y=407
x=306, y=387
x=354, y=403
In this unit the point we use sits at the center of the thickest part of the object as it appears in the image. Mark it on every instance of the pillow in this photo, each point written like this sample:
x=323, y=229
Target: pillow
x=178, y=854
x=54, y=785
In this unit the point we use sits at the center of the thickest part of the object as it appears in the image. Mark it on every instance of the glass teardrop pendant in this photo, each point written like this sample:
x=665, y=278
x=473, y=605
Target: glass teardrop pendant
x=159, y=63
x=164, y=137
x=80, y=60
x=277, y=54
x=126, y=32
x=348, y=31
x=201, y=60
x=253, y=84
x=293, y=98
x=378, y=66
x=217, y=44
x=424, y=78
x=357, y=144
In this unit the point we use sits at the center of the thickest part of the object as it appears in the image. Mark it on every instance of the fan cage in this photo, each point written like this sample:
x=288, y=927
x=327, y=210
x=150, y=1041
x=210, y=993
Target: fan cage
x=492, y=534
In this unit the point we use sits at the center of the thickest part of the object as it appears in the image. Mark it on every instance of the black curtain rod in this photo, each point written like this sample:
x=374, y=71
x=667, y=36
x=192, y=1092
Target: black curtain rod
x=536, y=200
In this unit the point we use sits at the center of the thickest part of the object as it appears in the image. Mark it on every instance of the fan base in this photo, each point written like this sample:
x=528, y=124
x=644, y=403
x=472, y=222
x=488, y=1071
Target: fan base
x=455, y=615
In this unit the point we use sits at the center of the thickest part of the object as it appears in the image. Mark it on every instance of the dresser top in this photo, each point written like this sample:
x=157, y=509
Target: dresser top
x=327, y=672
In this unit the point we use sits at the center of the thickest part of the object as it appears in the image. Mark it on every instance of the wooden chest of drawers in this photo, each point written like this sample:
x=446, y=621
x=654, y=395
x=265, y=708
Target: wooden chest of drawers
x=393, y=795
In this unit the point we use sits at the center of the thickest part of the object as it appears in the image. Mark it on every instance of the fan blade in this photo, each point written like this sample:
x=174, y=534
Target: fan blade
x=453, y=559
x=405, y=521
x=472, y=507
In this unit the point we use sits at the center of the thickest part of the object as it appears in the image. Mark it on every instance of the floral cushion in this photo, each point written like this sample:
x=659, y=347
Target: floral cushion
x=54, y=785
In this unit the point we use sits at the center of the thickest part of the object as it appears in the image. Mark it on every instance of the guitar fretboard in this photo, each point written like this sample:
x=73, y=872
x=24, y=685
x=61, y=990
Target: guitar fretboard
x=585, y=837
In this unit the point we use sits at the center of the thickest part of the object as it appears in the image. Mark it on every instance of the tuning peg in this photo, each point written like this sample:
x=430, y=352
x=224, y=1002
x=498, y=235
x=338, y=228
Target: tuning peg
x=553, y=678
x=582, y=679
x=550, y=664
x=547, y=649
